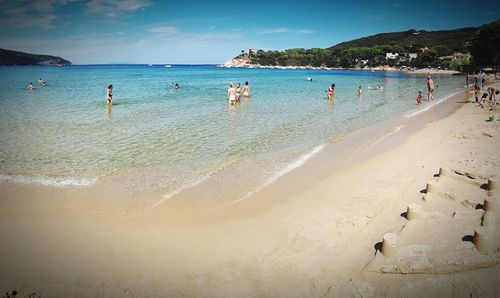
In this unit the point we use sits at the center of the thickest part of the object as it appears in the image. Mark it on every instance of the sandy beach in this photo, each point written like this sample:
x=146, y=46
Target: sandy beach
x=414, y=213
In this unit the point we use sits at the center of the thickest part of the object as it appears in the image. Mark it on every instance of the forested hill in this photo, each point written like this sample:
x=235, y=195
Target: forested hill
x=8, y=57
x=444, y=48
x=455, y=40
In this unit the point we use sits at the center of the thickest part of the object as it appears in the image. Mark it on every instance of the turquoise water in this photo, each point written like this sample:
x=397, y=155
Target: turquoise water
x=64, y=133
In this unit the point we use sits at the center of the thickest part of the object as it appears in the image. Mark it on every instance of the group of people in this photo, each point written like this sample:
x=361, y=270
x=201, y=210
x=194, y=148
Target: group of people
x=40, y=82
x=330, y=92
x=488, y=98
x=430, y=91
x=234, y=93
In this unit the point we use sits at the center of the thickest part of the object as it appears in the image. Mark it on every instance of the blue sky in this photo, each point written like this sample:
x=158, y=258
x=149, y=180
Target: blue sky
x=187, y=31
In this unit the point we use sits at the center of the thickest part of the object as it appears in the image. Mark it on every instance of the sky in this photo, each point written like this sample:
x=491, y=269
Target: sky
x=198, y=32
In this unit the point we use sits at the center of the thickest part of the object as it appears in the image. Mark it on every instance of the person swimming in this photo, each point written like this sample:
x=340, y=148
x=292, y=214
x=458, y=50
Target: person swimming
x=309, y=79
x=30, y=86
x=109, y=94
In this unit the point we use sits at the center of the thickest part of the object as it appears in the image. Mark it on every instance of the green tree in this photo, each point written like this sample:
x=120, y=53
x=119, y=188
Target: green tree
x=485, y=45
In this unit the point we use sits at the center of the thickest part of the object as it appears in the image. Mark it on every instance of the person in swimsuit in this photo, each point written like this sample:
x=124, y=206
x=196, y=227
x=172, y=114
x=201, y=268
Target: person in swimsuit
x=246, y=90
x=330, y=92
x=360, y=92
x=109, y=94
x=430, y=88
x=420, y=97
x=237, y=92
x=231, y=94
x=30, y=86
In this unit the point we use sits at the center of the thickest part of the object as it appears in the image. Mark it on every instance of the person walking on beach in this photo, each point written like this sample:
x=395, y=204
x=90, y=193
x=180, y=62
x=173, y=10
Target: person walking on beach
x=109, y=94
x=430, y=88
x=231, y=94
x=478, y=83
x=246, y=90
x=330, y=92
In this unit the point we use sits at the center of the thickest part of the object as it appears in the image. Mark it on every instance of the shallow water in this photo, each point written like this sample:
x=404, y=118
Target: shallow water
x=65, y=134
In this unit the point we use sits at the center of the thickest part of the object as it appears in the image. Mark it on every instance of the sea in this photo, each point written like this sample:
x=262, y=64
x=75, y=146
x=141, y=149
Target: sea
x=64, y=134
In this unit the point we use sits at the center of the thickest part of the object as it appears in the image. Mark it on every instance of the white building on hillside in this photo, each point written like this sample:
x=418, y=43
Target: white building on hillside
x=391, y=55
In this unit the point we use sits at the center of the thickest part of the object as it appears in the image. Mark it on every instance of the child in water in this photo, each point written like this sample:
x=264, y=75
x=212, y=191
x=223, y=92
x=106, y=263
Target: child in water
x=420, y=97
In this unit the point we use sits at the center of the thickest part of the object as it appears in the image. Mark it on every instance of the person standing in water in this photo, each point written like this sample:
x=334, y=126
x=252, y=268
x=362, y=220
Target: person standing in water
x=330, y=92
x=109, y=94
x=231, y=94
x=360, y=92
x=430, y=88
x=30, y=86
x=246, y=90
x=237, y=92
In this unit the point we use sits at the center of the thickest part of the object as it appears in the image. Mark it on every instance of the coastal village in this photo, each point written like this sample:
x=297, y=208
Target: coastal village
x=245, y=60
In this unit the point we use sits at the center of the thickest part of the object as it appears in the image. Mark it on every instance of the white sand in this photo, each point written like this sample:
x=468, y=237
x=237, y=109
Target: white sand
x=318, y=242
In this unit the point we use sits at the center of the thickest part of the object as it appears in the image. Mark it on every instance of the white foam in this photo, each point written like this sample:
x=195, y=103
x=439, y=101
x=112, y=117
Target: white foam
x=287, y=169
x=175, y=192
x=66, y=181
x=392, y=132
x=430, y=105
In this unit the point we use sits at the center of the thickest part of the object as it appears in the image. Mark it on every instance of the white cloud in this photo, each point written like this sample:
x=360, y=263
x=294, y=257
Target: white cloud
x=285, y=30
x=113, y=8
x=164, y=30
x=30, y=14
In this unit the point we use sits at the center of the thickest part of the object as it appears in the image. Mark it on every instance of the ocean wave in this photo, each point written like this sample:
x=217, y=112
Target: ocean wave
x=62, y=181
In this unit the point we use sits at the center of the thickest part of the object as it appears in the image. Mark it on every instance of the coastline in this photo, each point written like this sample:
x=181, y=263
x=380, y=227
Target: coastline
x=244, y=63
x=423, y=71
x=289, y=239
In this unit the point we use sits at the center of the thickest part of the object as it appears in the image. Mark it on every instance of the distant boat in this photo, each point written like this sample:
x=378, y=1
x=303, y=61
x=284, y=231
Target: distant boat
x=167, y=65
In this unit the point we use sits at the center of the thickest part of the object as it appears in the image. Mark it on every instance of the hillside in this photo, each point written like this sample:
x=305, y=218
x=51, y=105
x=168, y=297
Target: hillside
x=455, y=40
x=446, y=49
x=8, y=57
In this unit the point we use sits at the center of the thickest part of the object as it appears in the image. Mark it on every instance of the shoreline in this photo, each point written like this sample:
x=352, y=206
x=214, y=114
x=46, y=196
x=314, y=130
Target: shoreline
x=110, y=190
x=287, y=240
x=385, y=68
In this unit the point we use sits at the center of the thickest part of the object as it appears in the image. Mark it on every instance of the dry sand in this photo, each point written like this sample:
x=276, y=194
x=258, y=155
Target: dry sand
x=320, y=239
